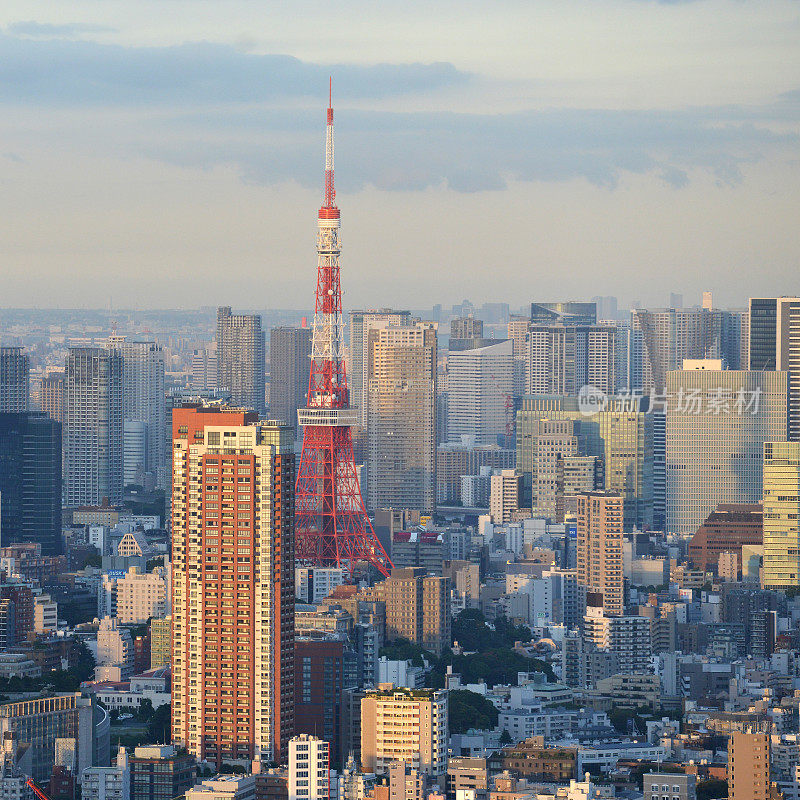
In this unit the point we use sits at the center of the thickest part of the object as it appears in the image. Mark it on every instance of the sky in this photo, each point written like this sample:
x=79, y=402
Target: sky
x=170, y=153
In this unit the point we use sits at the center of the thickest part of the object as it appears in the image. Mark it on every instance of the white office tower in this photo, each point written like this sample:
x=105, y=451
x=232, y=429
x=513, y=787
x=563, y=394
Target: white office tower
x=204, y=368
x=480, y=392
x=143, y=408
x=108, y=783
x=310, y=769
x=92, y=427
x=717, y=422
x=314, y=584
x=358, y=363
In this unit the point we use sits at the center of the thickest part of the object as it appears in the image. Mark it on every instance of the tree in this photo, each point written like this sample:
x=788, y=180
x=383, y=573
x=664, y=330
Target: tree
x=145, y=711
x=92, y=560
x=505, y=737
x=713, y=788
x=470, y=710
x=403, y=650
x=158, y=727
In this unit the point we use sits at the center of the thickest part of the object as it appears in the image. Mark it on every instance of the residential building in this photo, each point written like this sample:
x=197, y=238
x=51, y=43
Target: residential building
x=309, y=768
x=401, y=416
x=142, y=596
x=314, y=584
x=480, y=386
x=505, y=494
x=108, y=783
x=224, y=787
x=456, y=460
x=51, y=396
x=718, y=430
x=240, y=359
x=418, y=608
x=466, y=328
x=14, y=380
x=728, y=565
x=114, y=645
x=289, y=368
x=727, y=528
x=406, y=725
x=465, y=774
x=600, y=549
x=748, y=767
x=358, y=364
x=93, y=414
x=45, y=612
x=534, y=760
x=30, y=481
x=628, y=638
x=160, y=772
x=781, y=515
x=660, y=785
x=232, y=511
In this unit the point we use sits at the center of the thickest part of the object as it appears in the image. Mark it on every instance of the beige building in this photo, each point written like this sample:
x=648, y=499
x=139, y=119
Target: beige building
x=781, y=515
x=114, y=646
x=748, y=767
x=405, y=725
x=728, y=566
x=45, y=614
x=505, y=490
x=418, y=608
x=600, y=548
x=141, y=596
x=401, y=417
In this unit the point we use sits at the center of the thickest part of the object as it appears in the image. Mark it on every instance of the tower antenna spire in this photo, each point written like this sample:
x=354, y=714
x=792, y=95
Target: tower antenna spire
x=331, y=523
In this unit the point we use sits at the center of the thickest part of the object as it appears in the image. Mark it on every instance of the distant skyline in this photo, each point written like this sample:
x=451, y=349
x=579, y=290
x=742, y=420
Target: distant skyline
x=170, y=154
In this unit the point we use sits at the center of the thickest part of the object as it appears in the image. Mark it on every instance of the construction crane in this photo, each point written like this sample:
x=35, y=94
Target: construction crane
x=36, y=790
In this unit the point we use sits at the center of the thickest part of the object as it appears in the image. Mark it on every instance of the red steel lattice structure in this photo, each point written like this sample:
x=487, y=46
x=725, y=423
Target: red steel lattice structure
x=331, y=523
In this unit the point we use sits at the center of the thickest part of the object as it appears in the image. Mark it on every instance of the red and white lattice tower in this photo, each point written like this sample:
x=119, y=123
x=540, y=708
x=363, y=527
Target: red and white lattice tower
x=332, y=527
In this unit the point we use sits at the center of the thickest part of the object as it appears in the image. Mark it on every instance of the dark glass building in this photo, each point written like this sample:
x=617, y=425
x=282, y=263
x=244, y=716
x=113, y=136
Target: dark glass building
x=30, y=481
x=161, y=772
x=763, y=332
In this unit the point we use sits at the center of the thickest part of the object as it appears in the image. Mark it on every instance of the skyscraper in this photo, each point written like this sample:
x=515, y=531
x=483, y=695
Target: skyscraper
x=14, y=380
x=92, y=427
x=232, y=586
x=289, y=366
x=715, y=438
x=143, y=404
x=51, y=396
x=240, y=358
x=763, y=333
x=204, y=368
x=466, y=328
x=480, y=385
x=358, y=364
x=787, y=356
x=401, y=422
x=564, y=313
x=309, y=768
x=781, y=515
x=564, y=358
x=30, y=481
x=600, y=549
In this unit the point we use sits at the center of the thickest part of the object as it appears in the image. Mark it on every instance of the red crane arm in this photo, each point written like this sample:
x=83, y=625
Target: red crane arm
x=36, y=790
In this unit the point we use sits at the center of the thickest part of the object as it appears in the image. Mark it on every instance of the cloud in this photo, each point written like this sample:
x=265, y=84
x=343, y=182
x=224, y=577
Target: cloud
x=471, y=152
x=49, y=30
x=65, y=72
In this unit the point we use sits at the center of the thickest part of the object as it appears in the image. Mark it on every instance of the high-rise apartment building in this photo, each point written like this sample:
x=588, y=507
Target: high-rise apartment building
x=93, y=427
x=309, y=768
x=51, y=396
x=358, y=363
x=14, y=380
x=466, y=328
x=204, y=368
x=480, y=384
x=141, y=596
x=716, y=424
x=781, y=515
x=619, y=436
x=232, y=585
x=240, y=359
x=405, y=725
x=401, y=418
x=30, y=481
x=600, y=549
x=143, y=412
x=289, y=367
x=564, y=358
x=418, y=608
x=160, y=642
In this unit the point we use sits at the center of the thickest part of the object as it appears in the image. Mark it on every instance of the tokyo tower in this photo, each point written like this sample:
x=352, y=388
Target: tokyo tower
x=331, y=524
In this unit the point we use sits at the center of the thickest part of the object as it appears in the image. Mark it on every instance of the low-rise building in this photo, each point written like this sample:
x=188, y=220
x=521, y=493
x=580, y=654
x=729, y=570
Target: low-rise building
x=161, y=772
